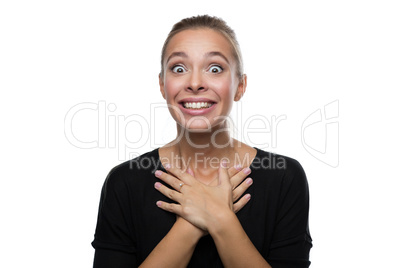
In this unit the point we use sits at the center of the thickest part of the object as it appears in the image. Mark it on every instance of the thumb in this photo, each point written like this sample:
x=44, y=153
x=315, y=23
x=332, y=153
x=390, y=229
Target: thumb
x=190, y=171
x=223, y=173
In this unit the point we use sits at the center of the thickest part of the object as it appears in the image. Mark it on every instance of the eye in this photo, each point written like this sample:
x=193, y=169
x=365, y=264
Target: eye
x=215, y=69
x=178, y=69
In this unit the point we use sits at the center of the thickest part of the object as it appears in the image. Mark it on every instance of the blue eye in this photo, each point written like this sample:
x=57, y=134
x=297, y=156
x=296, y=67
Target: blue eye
x=215, y=69
x=178, y=69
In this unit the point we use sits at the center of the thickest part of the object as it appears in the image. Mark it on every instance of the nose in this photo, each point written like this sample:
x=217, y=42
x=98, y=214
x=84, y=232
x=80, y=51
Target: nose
x=196, y=82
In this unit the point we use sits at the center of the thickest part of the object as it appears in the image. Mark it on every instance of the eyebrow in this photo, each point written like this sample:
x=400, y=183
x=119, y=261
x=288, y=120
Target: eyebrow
x=177, y=54
x=216, y=53
x=208, y=54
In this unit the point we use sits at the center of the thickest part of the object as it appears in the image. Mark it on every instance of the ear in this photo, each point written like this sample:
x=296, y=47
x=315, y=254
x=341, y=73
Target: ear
x=161, y=86
x=241, y=88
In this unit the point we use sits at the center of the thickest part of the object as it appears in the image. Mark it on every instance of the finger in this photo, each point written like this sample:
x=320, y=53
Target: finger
x=169, y=179
x=241, y=188
x=180, y=174
x=169, y=193
x=213, y=183
x=190, y=171
x=239, y=177
x=223, y=176
x=171, y=207
x=233, y=170
x=241, y=203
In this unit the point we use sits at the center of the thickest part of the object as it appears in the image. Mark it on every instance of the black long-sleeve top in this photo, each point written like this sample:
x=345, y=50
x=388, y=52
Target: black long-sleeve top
x=130, y=225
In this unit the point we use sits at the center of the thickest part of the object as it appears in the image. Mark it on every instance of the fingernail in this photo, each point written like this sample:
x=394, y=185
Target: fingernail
x=167, y=166
x=249, y=181
x=238, y=167
x=247, y=170
x=159, y=203
x=157, y=185
x=158, y=173
x=248, y=196
x=224, y=163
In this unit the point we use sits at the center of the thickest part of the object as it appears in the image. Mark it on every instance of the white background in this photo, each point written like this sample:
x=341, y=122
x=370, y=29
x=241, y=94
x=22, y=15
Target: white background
x=299, y=57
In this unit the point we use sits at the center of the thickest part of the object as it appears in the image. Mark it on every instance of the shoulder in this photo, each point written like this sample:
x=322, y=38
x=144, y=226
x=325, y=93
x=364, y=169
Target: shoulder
x=140, y=167
x=143, y=162
x=271, y=161
x=285, y=168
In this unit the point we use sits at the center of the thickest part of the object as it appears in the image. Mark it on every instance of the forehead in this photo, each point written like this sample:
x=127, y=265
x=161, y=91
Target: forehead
x=199, y=41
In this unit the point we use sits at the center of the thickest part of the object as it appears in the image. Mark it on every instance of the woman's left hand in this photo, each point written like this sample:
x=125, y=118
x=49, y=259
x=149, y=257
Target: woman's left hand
x=198, y=203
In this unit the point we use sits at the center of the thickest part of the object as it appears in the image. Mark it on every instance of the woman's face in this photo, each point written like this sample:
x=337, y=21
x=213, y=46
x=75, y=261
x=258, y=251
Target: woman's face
x=199, y=81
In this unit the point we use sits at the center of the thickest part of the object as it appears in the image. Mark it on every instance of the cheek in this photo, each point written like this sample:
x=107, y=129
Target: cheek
x=172, y=88
x=225, y=88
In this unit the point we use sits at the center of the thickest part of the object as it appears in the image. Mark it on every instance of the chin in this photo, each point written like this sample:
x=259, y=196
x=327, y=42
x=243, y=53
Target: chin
x=198, y=127
x=201, y=126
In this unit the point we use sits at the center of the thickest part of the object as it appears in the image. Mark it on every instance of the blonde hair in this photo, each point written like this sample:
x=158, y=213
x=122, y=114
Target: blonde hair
x=207, y=22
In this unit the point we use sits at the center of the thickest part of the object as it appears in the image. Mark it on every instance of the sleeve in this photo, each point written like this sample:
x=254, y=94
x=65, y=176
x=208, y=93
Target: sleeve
x=113, y=243
x=292, y=242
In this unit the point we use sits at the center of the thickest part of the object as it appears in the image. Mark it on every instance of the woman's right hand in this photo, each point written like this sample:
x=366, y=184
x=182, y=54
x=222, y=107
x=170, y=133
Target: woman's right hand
x=237, y=176
x=240, y=184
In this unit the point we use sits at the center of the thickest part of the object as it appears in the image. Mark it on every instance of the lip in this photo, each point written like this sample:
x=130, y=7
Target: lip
x=196, y=111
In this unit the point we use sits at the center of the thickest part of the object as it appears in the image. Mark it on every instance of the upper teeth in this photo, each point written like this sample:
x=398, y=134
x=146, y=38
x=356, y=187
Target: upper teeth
x=197, y=105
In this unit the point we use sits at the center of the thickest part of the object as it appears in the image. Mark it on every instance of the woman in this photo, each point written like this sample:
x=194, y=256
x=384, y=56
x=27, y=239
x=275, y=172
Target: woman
x=188, y=203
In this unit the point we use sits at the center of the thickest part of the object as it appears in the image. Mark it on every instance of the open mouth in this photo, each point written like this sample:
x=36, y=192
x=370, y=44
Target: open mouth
x=197, y=105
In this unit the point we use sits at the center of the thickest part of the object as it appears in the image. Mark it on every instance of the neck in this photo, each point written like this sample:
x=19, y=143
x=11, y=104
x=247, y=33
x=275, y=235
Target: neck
x=203, y=150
